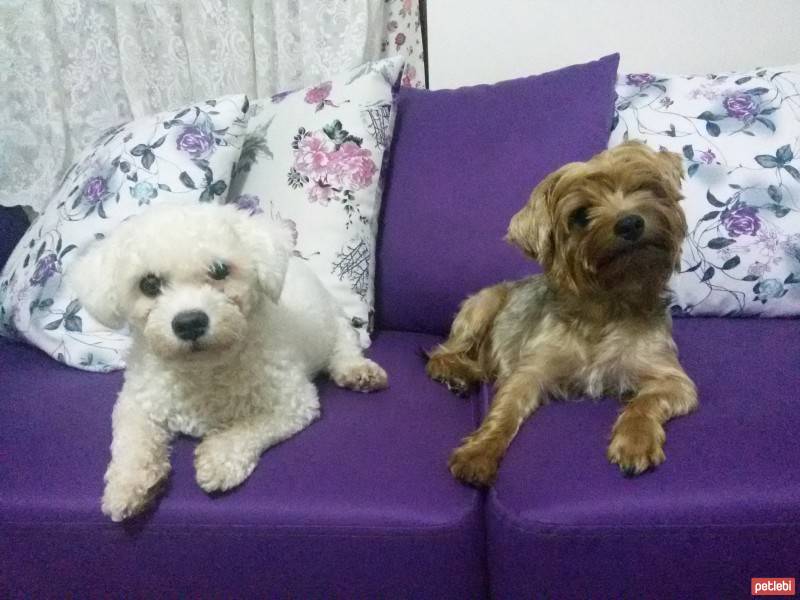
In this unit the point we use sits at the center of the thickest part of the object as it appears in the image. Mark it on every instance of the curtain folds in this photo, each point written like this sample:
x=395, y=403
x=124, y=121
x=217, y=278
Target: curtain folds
x=72, y=68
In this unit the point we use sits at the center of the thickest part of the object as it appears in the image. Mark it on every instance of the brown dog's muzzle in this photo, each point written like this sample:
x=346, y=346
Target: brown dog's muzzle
x=630, y=227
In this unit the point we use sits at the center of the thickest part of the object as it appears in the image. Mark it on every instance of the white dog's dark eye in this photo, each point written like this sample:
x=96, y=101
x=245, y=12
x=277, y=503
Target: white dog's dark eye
x=218, y=270
x=150, y=285
x=579, y=217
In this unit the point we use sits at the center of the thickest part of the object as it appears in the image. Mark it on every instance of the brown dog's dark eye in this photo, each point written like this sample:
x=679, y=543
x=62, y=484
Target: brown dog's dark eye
x=218, y=270
x=150, y=285
x=579, y=217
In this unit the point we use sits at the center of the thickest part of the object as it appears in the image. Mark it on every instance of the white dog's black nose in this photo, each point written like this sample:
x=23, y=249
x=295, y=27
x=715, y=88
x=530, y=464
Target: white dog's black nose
x=190, y=324
x=629, y=227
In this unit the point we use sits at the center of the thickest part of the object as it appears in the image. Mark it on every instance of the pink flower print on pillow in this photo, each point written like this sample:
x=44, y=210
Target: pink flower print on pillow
x=319, y=95
x=335, y=165
x=409, y=76
x=707, y=156
x=321, y=193
x=313, y=156
x=352, y=166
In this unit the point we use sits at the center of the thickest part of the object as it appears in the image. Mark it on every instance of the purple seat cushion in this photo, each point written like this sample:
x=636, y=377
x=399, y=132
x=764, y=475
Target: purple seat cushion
x=463, y=162
x=358, y=505
x=13, y=223
x=724, y=507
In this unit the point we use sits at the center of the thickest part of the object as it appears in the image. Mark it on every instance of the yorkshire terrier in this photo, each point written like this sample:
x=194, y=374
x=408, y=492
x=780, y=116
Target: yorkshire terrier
x=608, y=235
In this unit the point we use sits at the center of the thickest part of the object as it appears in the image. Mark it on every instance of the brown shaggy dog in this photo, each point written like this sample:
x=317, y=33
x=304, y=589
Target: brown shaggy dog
x=608, y=234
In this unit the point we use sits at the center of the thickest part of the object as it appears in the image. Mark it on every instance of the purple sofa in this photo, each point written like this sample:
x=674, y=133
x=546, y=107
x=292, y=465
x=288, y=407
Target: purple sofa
x=361, y=503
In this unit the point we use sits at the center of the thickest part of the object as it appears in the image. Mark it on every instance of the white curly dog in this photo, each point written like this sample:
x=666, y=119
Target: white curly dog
x=228, y=331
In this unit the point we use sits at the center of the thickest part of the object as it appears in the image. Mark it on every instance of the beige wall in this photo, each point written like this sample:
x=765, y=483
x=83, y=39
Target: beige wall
x=478, y=41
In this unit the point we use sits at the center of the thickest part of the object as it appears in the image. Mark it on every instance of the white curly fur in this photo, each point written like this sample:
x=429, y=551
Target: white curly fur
x=246, y=383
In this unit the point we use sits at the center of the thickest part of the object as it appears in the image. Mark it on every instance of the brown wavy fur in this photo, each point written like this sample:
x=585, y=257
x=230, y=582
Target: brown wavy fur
x=594, y=323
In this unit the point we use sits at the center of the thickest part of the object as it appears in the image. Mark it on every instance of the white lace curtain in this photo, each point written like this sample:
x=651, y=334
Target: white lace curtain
x=72, y=68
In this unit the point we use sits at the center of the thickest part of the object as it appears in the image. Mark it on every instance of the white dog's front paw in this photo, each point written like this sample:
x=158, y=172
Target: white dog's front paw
x=125, y=497
x=221, y=464
x=362, y=375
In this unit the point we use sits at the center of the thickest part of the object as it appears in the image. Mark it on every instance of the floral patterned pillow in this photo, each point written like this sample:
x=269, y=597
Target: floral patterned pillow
x=182, y=155
x=739, y=134
x=314, y=157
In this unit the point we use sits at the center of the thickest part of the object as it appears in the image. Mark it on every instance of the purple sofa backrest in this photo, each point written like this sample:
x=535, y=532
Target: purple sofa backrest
x=463, y=162
x=13, y=223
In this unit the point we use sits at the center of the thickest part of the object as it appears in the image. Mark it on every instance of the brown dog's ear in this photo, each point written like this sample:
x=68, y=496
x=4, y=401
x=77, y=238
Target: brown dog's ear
x=673, y=168
x=531, y=229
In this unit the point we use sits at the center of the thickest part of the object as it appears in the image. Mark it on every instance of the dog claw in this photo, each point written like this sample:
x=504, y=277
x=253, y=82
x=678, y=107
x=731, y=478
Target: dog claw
x=457, y=387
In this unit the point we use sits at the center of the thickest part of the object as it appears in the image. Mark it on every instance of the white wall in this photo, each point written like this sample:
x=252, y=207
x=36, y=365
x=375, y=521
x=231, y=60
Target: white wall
x=482, y=41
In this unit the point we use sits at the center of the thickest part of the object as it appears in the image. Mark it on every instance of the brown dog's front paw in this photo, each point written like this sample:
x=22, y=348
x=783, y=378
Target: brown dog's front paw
x=473, y=465
x=456, y=386
x=636, y=444
x=444, y=370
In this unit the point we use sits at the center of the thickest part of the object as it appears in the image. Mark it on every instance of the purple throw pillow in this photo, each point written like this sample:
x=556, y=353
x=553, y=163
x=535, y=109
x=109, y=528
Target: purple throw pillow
x=463, y=162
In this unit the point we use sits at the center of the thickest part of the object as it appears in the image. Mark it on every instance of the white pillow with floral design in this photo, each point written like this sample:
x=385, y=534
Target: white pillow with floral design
x=314, y=157
x=182, y=155
x=739, y=134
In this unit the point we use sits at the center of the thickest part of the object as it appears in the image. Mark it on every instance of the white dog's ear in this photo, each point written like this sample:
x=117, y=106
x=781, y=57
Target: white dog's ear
x=271, y=245
x=92, y=278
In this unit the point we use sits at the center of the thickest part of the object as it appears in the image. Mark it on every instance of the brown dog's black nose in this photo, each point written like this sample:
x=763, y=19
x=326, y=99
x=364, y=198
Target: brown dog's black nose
x=190, y=324
x=629, y=227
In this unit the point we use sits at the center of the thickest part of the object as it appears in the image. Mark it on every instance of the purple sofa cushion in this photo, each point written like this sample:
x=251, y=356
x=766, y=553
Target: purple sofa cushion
x=13, y=223
x=463, y=162
x=724, y=507
x=358, y=505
